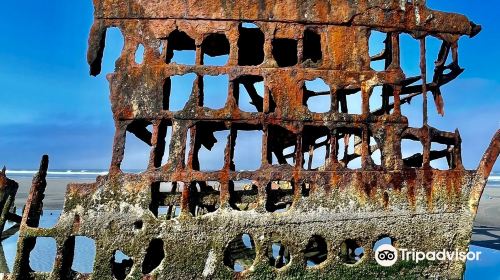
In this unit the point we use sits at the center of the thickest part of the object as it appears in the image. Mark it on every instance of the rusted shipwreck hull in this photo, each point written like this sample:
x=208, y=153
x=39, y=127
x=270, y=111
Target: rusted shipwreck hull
x=179, y=221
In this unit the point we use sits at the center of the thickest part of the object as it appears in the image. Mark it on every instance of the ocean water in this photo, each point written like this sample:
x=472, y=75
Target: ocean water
x=72, y=175
x=43, y=255
x=494, y=180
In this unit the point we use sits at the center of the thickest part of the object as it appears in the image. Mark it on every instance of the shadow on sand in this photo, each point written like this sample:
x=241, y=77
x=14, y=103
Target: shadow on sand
x=486, y=236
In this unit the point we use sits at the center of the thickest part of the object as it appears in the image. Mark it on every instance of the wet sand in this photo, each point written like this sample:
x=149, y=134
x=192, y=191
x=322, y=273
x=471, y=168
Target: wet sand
x=486, y=231
x=489, y=208
x=54, y=193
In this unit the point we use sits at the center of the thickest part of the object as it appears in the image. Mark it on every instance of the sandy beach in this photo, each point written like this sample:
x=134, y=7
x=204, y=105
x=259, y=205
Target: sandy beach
x=54, y=194
x=489, y=208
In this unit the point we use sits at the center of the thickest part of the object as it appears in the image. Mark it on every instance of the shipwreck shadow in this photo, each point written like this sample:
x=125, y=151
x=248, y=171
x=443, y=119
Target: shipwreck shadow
x=488, y=237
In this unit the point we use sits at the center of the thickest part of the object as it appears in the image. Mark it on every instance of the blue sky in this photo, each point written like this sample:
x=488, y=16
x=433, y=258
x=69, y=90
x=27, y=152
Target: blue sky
x=50, y=105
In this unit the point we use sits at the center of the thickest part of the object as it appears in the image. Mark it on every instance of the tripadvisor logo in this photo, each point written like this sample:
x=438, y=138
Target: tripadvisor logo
x=386, y=255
